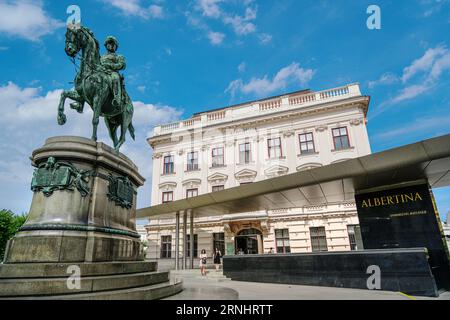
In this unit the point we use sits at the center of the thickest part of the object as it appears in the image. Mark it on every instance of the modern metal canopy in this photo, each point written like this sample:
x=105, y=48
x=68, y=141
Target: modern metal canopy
x=427, y=160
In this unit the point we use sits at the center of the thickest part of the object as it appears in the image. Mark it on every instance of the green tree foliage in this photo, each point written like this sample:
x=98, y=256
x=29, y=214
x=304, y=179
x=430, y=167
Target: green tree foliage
x=9, y=225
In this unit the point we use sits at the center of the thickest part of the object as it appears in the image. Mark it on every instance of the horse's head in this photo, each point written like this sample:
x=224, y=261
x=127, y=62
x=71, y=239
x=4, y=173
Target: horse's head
x=73, y=45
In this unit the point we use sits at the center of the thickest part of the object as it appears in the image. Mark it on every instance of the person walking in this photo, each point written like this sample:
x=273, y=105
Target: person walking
x=203, y=260
x=217, y=256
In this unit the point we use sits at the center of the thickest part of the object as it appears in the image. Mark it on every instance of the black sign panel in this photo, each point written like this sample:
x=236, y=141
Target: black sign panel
x=404, y=218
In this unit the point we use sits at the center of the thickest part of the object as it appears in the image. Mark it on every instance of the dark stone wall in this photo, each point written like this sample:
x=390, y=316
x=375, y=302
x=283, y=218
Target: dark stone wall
x=389, y=219
x=405, y=270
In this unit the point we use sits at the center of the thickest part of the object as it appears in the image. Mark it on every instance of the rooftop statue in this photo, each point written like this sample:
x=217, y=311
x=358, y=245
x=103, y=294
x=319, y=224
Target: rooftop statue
x=99, y=84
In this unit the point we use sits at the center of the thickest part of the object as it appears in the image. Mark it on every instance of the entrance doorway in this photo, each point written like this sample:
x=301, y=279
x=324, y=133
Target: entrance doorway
x=248, y=241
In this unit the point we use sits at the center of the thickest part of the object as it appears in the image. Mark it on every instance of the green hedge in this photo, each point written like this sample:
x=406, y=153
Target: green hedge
x=9, y=225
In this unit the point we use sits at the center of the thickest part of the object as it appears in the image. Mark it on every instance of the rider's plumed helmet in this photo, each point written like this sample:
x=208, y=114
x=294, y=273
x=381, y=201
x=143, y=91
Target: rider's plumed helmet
x=111, y=39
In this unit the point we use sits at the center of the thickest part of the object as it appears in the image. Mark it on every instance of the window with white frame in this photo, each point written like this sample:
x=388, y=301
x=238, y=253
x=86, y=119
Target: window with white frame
x=340, y=138
x=191, y=193
x=192, y=161
x=245, y=153
x=167, y=196
x=217, y=157
x=274, y=148
x=168, y=165
x=306, y=143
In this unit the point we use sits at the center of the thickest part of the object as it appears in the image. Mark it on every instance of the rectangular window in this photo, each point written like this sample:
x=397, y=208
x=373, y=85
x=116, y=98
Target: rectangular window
x=192, y=161
x=191, y=193
x=168, y=165
x=167, y=197
x=219, y=242
x=217, y=157
x=306, y=143
x=340, y=138
x=166, y=246
x=274, y=148
x=354, y=236
x=189, y=245
x=217, y=188
x=318, y=239
x=245, y=153
x=282, y=240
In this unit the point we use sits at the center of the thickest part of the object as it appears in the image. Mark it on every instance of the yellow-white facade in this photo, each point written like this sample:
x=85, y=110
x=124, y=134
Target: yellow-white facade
x=258, y=140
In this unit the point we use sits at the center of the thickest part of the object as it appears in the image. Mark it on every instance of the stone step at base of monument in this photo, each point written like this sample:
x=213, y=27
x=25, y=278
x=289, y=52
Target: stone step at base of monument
x=151, y=292
x=66, y=285
x=57, y=270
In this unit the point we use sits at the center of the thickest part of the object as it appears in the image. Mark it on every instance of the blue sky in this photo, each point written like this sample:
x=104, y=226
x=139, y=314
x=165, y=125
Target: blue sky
x=188, y=56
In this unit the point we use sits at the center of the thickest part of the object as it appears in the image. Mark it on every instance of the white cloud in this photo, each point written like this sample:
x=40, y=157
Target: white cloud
x=210, y=8
x=30, y=118
x=135, y=8
x=242, y=66
x=289, y=75
x=26, y=20
x=410, y=92
x=386, y=79
x=418, y=125
x=425, y=71
x=4, y=48
x=424, y=63
x=141, y=89
x=242, y=25
x=215, y=38
x=264, y=38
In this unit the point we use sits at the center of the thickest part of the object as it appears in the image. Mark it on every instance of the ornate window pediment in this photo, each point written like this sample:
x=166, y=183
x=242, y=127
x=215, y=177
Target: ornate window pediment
x=340, y=160
x=276, y=171
x=167, y=186
x=245, y=176
x=191, y=183
x=217, y=178
x=309, y=166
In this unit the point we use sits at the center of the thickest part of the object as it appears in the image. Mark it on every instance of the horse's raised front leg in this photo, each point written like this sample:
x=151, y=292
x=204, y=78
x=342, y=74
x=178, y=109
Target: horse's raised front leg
x=71, y=94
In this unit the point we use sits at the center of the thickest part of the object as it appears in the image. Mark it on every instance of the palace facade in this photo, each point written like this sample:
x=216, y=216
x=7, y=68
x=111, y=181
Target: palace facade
x=249, y=142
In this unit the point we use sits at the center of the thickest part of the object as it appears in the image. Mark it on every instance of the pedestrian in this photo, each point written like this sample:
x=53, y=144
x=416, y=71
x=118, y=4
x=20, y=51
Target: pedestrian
x=203, y=259
x=271, y=250
x=217, y=257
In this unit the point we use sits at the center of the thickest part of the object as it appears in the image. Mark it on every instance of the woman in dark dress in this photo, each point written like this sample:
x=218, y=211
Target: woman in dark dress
x=217, y=257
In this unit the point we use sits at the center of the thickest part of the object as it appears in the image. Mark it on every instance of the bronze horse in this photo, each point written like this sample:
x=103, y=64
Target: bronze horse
x=93, y=85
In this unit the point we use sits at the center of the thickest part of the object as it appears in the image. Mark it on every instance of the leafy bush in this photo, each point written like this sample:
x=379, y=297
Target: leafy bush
x=9, y=225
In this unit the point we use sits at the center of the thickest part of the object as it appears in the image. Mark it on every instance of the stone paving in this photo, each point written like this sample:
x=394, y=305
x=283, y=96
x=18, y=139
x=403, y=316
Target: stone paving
x=209, y=288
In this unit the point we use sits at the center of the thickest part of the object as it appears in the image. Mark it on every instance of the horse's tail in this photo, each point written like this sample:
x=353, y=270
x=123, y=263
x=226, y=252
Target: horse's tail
x=131, y=129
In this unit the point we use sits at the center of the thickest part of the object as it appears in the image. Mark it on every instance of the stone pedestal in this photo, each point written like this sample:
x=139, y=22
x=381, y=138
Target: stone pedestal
x=83, y=214
x=67, y=225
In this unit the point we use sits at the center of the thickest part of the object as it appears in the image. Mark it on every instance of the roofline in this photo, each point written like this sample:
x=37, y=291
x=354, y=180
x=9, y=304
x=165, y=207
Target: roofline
x=303, y=91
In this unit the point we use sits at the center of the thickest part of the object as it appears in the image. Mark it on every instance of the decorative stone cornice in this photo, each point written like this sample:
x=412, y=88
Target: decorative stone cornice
x=190, y=183
x=321, y=128
x=167, y=186
x=288, y=133
x=245, y=176
x=276, y=171
x=157, y=155
x=356, y=122
x=217, y=178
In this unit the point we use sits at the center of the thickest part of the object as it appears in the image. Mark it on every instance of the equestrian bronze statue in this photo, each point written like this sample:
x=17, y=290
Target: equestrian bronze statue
x=99, y=84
